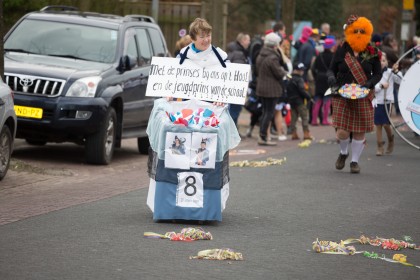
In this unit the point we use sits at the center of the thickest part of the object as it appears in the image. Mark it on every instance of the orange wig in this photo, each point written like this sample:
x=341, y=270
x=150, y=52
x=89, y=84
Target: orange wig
x=359, y=33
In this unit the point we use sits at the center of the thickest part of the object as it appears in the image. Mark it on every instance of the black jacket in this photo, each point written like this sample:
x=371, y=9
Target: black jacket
x=237, y=53
x=342, y=73
x=319, y=71
x=296, y=92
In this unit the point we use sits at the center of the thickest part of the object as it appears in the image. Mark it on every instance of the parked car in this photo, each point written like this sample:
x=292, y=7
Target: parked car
x=7, y=127
x=81, y=77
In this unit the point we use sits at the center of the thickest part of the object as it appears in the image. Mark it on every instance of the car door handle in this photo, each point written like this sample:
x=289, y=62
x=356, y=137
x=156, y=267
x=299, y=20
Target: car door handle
x=2, y=102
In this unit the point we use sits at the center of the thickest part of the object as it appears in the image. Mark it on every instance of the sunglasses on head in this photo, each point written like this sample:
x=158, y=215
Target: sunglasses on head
x=361, y=31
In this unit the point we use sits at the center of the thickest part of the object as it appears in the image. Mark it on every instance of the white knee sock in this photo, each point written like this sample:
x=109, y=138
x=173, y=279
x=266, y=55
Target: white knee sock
x=357, y=147
x=344, y=146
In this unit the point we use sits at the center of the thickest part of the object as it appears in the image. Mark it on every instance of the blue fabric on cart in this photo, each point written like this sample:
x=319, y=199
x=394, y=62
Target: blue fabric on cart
x=166, y=208
x=213, y=178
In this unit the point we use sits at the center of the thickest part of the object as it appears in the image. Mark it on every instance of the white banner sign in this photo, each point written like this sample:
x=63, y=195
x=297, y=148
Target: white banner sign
x=190, y=81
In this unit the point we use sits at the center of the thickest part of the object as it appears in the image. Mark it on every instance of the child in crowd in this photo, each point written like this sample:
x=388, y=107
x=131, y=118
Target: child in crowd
x=298, y=99
x=384, y=97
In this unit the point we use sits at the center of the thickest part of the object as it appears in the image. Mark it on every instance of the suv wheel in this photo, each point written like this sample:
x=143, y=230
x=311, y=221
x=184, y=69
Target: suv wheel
x=5, y=150
x=100, y=146
x=143, y=145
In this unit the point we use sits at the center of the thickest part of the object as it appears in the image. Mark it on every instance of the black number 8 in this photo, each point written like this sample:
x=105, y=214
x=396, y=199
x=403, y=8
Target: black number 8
x=192, y=185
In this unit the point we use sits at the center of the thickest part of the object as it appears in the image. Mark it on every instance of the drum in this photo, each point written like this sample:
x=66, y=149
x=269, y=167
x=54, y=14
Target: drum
x=409, y=97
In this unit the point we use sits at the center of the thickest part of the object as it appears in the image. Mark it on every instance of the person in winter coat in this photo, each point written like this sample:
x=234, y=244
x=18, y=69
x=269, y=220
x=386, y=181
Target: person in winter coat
x=269, y=84
x=298, y=99
x=307, y=51
x=238, y=53
x=238, y=50
x=319, y=70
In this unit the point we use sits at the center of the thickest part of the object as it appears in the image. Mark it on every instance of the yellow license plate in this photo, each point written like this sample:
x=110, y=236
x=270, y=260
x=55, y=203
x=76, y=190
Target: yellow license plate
x=28, y=112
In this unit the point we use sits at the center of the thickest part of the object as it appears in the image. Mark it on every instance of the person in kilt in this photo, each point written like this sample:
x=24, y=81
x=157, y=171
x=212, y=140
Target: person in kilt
x=355, y=61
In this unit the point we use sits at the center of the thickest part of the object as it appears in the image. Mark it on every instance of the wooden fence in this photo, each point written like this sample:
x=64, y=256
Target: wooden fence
x=173, y=16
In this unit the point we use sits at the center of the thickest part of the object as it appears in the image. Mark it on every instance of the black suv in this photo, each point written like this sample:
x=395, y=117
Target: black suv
x=81, y=77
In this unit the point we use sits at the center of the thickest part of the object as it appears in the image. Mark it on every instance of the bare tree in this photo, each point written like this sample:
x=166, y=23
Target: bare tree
x=288, y=14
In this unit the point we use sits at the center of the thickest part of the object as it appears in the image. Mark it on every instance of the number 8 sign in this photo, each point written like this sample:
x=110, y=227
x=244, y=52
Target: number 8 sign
x=190, y=192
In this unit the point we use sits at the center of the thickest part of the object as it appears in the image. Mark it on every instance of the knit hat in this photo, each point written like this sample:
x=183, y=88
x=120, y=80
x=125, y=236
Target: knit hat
x=315, y=31
x=268, y=31
x=306, y=33
x=329, y=43
x=272, y=40
x=350, y=20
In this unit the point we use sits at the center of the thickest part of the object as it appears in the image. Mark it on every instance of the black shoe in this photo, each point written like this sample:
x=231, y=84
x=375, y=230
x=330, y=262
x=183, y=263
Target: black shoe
x=354, y=167
x=264, y=142
x=341, y=161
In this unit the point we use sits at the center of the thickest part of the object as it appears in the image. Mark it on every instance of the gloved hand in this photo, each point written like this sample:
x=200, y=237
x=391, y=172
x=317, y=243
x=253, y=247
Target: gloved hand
x=331, y=81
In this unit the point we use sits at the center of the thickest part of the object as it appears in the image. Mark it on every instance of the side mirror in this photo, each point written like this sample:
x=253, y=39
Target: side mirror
x=127, y=62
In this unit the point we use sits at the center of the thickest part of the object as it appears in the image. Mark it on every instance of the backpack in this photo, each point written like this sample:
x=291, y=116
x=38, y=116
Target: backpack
x=252, y=103
x=255, y=48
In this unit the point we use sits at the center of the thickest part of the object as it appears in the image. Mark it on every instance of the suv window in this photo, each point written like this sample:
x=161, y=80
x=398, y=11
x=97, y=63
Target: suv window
x=144, y=45
x=64, y=39
x=157, y=42
x=131, y=45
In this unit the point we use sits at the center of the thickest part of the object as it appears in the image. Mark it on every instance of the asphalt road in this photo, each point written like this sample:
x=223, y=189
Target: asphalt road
x=272, y=217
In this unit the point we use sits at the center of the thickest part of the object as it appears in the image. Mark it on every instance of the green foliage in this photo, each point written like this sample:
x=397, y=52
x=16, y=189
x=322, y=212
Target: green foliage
x=320, y=11
x=254, y=11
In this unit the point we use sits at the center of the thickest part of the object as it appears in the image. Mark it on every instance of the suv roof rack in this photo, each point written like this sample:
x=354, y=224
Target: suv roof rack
x=61, y=8
x=74, y=11
x=139, y=18
x=99, y=15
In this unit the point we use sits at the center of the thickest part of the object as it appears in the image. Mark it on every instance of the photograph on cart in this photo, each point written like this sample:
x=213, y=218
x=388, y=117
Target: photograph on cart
x=177, y=152
x=204, y=153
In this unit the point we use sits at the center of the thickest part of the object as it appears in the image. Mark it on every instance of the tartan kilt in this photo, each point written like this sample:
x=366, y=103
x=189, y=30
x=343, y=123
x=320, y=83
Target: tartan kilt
x=353, y=115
